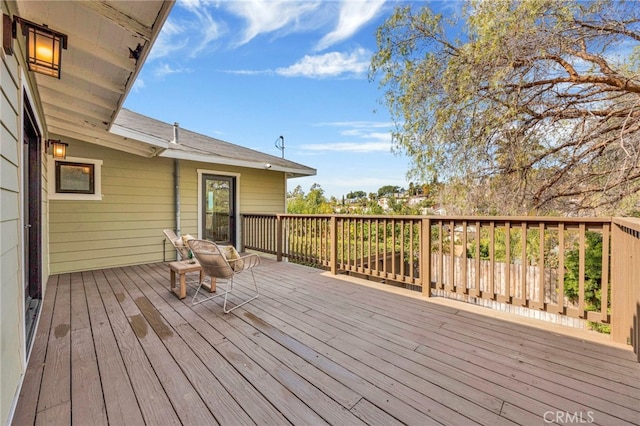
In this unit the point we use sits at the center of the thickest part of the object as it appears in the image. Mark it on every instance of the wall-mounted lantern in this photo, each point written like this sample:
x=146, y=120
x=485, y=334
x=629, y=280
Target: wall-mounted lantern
x=59, y=149
x=44, y=45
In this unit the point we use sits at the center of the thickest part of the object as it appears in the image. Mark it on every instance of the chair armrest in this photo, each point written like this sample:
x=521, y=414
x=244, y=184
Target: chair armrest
x=250, y=261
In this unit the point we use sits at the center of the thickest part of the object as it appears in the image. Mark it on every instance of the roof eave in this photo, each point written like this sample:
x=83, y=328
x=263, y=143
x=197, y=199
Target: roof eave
x=139, y=136
x=260, y=165
x=163, y=14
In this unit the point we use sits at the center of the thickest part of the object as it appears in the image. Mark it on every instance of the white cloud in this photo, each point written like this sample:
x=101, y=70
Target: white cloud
x=165, y=70
x=138, y=85
x=358, y=124
x=267, y=16
x=193, y=33
x=201, y=23
x=171, y=39
x=367, y=140
x=349, y=147
x=249, y=72
x=331, y=64
x=353, y=15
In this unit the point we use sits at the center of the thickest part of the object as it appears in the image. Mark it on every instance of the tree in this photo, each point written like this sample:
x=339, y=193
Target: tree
x=312, y=203
x=537, y=99
x=356, y=195
x=388, y=191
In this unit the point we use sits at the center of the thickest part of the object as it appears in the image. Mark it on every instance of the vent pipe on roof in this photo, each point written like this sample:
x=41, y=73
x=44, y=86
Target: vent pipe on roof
x=175, y=132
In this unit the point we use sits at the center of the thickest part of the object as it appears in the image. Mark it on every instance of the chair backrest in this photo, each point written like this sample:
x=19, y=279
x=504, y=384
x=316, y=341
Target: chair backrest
x=211, y=258
x=177, y=243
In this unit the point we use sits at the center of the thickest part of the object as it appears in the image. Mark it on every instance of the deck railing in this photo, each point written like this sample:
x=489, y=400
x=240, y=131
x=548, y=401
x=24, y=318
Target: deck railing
x=575, y=267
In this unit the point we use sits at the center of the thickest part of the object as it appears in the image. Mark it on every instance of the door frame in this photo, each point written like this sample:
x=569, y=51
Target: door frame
x=32, y=188
x=28, y=114
x=236, y=200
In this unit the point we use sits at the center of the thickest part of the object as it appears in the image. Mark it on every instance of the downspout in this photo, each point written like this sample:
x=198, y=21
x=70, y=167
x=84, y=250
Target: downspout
x=176, y=180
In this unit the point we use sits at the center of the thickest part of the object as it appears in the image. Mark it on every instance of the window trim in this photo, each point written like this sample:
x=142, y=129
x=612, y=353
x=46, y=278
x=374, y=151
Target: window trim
x=91, y=172
x=53, y=178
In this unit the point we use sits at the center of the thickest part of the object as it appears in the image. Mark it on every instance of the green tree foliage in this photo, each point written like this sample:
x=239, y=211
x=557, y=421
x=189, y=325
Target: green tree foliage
x=356, y=195
x=592, y=272
x=388, y=191
x=312, y=203
x=536, y=102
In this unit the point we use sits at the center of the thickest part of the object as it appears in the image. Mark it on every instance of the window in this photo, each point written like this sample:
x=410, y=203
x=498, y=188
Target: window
x=74, y=179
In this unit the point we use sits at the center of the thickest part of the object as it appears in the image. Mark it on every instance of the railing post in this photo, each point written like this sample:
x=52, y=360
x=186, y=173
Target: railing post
x=279, y=238
x=243, y=233
x=334, y=245
x=425, y=257
x=625, y=287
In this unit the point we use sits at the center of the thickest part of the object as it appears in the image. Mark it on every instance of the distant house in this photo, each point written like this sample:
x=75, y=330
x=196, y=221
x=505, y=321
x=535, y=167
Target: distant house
x=125, y=176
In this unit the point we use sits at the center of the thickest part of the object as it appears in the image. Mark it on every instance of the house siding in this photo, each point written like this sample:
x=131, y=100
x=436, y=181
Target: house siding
x=12, y=345
x=125, y=228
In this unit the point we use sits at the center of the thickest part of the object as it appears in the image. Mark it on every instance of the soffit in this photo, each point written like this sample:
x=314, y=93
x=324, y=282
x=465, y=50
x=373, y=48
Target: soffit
x=97, y=70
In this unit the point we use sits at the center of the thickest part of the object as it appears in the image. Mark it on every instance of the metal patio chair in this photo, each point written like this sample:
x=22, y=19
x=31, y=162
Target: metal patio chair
x=224, y=266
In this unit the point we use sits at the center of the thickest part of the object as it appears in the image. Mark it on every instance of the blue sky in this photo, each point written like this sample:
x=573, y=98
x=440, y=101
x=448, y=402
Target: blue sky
x=248, y=71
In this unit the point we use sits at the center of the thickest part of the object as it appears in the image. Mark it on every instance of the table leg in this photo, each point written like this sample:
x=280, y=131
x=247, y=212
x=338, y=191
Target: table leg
x=183, y=286
x=173, y=281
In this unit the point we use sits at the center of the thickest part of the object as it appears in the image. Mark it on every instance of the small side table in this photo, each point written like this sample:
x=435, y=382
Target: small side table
x=182, y=267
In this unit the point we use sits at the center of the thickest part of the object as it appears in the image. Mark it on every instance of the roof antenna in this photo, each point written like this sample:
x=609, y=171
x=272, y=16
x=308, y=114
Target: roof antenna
x=280, y=144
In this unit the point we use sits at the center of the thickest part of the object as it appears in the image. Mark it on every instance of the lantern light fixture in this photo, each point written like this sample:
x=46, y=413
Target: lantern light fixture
x=59, y=149
x=44, y=45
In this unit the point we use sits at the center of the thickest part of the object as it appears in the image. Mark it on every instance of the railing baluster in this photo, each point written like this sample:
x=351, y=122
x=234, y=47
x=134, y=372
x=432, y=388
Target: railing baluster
x=478, y=290
x=581, y=301
x=440, y=284
x=540, y=303
x=507, y=261
x=334, y=245
x=492, y=259
x=561, y=249
x=464, y=287
x=451, y=285
x=425, y=259
x=524, y=299
x=604, y=288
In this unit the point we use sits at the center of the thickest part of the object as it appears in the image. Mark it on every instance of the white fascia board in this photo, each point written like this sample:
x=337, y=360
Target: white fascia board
x=139, y=136
x=183, y=155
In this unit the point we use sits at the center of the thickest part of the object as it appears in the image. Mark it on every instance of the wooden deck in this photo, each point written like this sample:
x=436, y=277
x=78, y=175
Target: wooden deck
x=117, y=347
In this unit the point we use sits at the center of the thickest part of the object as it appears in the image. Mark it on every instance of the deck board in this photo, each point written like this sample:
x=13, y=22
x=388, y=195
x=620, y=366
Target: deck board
x=86, y=392
x=115, y=346
x=153, y=401
x=120, y=400
x=56, y=377
x=27, y=406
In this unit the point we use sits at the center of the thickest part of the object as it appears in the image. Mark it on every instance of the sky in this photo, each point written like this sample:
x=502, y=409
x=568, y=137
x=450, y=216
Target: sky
x=250, y=71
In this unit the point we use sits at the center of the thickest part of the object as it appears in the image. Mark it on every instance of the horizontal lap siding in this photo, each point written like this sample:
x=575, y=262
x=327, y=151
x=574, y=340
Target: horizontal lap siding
x=11, y=293
x=263, y=192
x=122, y=229
x=125, y=227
